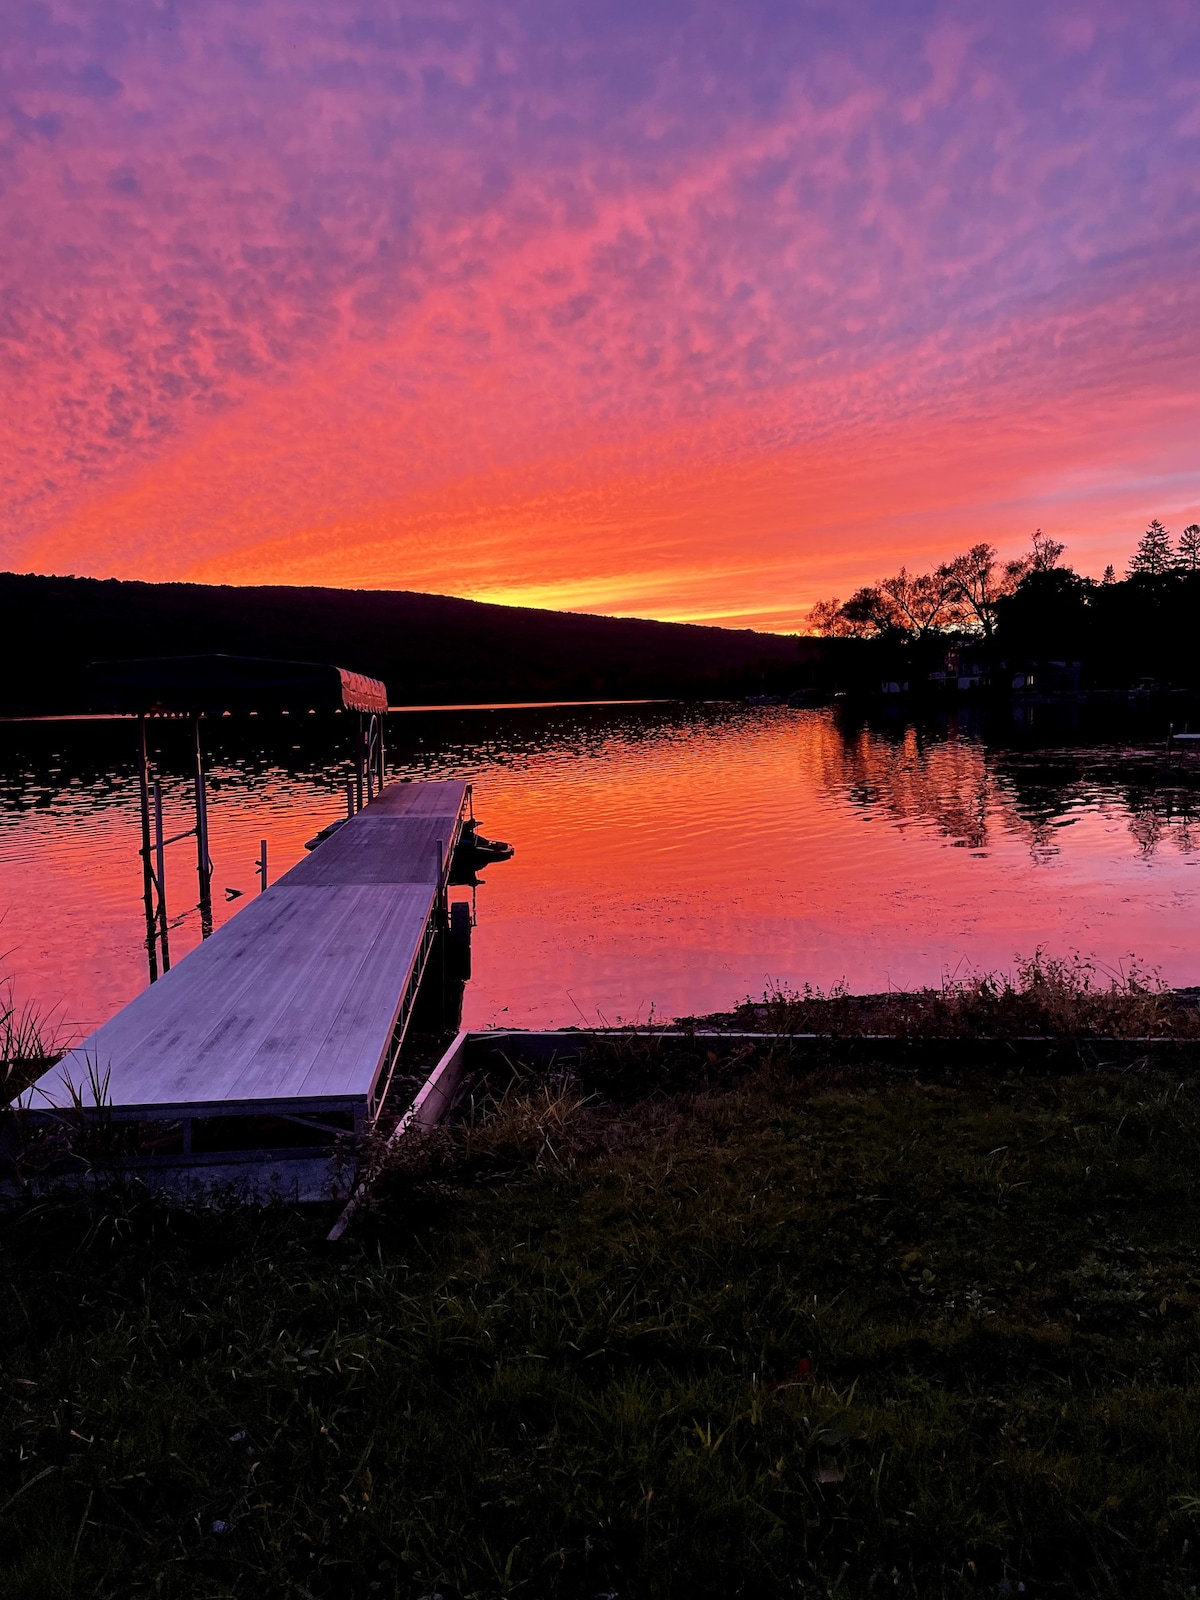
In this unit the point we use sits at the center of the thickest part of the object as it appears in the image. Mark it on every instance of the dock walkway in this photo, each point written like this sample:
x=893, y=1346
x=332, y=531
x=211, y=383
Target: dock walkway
x=297, y=1005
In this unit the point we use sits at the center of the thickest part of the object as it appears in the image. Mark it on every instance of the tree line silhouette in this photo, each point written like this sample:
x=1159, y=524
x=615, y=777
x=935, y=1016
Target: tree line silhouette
x=1035, y=609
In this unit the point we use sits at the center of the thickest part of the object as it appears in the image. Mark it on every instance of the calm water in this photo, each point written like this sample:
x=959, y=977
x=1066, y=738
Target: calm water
x=669, y=860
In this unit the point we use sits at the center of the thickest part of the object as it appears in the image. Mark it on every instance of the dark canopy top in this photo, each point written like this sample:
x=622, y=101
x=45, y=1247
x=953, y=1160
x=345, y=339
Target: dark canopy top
x=212, y=685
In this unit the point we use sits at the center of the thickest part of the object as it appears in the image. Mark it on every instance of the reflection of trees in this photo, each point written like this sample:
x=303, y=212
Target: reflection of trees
x=1165, y=816
x=953, y=782
x=1158, y=798
x=946, y=782
x=1146, y=828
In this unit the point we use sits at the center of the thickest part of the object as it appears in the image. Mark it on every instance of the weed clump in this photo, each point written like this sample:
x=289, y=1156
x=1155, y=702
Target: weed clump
x=29, y=1042
x=1041, y=997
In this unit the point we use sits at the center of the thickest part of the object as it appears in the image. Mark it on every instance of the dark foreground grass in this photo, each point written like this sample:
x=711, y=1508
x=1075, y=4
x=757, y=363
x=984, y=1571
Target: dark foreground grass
x=793, y=1337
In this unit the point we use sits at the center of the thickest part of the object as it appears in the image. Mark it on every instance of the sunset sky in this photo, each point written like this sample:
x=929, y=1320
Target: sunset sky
x=685, y=310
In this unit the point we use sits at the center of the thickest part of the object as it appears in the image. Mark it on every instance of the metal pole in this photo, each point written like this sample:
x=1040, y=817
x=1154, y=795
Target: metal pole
x=147, y=868
x=262, y=865
x=382, y=754
x=203, y=863
x=358, y=764
x=161, y=860
x=349, y=800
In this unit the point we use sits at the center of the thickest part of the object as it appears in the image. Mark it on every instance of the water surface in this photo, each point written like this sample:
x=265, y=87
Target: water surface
x=670, y=860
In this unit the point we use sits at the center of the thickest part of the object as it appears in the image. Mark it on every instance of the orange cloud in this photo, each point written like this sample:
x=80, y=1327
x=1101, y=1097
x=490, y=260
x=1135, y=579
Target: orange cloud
x=620, y=325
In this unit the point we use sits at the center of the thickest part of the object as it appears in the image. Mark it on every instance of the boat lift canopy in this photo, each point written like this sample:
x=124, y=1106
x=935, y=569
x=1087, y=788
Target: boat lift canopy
x=213, y=685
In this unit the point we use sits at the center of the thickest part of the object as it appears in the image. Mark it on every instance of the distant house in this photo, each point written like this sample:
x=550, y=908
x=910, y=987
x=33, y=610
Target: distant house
x=960, y=671
x=1047, y=677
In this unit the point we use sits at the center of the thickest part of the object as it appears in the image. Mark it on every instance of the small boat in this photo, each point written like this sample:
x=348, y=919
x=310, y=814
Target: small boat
x=801, y=698
x=476, y=851
x=764, y=699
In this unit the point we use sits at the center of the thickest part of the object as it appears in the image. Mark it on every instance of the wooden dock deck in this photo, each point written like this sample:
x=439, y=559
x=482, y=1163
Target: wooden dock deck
x=295, y=1007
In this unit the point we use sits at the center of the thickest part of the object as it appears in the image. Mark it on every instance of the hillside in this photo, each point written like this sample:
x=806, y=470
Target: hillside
x=427, y=648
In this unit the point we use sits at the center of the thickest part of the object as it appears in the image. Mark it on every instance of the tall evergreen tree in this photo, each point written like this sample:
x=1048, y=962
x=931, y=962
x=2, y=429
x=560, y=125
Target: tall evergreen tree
x=1154, y=554
x=1189, y=548
x=1110, y=575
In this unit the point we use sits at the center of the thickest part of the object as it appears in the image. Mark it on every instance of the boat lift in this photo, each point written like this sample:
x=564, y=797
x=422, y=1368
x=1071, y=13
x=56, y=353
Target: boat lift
x=199, y=686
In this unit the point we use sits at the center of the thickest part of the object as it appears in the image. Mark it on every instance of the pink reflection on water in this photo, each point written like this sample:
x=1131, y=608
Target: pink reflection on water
x=776, y=850
x=666, y=864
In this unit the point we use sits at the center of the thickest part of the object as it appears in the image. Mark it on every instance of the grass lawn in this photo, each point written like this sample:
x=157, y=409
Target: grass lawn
x=790, y=1334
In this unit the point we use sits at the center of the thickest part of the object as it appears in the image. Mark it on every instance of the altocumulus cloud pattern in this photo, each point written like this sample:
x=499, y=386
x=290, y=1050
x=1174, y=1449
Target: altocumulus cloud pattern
x=681, y=309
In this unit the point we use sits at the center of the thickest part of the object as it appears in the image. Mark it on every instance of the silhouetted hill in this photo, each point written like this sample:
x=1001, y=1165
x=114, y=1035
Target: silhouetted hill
x=427, y=648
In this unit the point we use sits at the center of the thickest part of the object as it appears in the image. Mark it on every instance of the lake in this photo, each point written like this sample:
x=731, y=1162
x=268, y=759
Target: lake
x=671, y=860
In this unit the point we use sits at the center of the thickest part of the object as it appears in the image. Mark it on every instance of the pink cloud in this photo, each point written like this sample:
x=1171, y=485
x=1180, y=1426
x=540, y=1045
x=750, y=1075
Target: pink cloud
x=646, y=310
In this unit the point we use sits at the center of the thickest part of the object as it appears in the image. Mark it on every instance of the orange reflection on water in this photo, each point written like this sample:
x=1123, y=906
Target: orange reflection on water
x=683, y=872
x=669, y=861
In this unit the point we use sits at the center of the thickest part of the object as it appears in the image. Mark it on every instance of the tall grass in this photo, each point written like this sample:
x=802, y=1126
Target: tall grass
x=30, y=1041
x=1042, y=996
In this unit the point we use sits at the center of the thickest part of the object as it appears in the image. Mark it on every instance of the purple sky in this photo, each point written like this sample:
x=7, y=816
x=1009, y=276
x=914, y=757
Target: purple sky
x=675, y=309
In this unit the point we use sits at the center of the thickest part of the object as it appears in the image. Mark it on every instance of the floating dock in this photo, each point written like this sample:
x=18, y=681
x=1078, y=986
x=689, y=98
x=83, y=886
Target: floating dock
x=280, y=1033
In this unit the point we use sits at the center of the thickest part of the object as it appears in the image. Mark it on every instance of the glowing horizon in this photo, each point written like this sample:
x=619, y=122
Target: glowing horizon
x=685, y=314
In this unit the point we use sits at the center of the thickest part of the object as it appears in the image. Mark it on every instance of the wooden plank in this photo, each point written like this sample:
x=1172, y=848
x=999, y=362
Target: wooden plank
x=212, y=1052
x=388, y=920
x=443, y=797
x=349, y=1056
x=197, y=1061
x=404, y=851
x=146, y=1012
x=436, y=1095
x=155, y=1020
x=433, y=1100
x=178, y=1058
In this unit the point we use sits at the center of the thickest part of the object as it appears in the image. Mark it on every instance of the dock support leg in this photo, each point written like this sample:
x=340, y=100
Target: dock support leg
x=374, y=756
x=203, y=860
x=160, y=859
x=147, y=868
